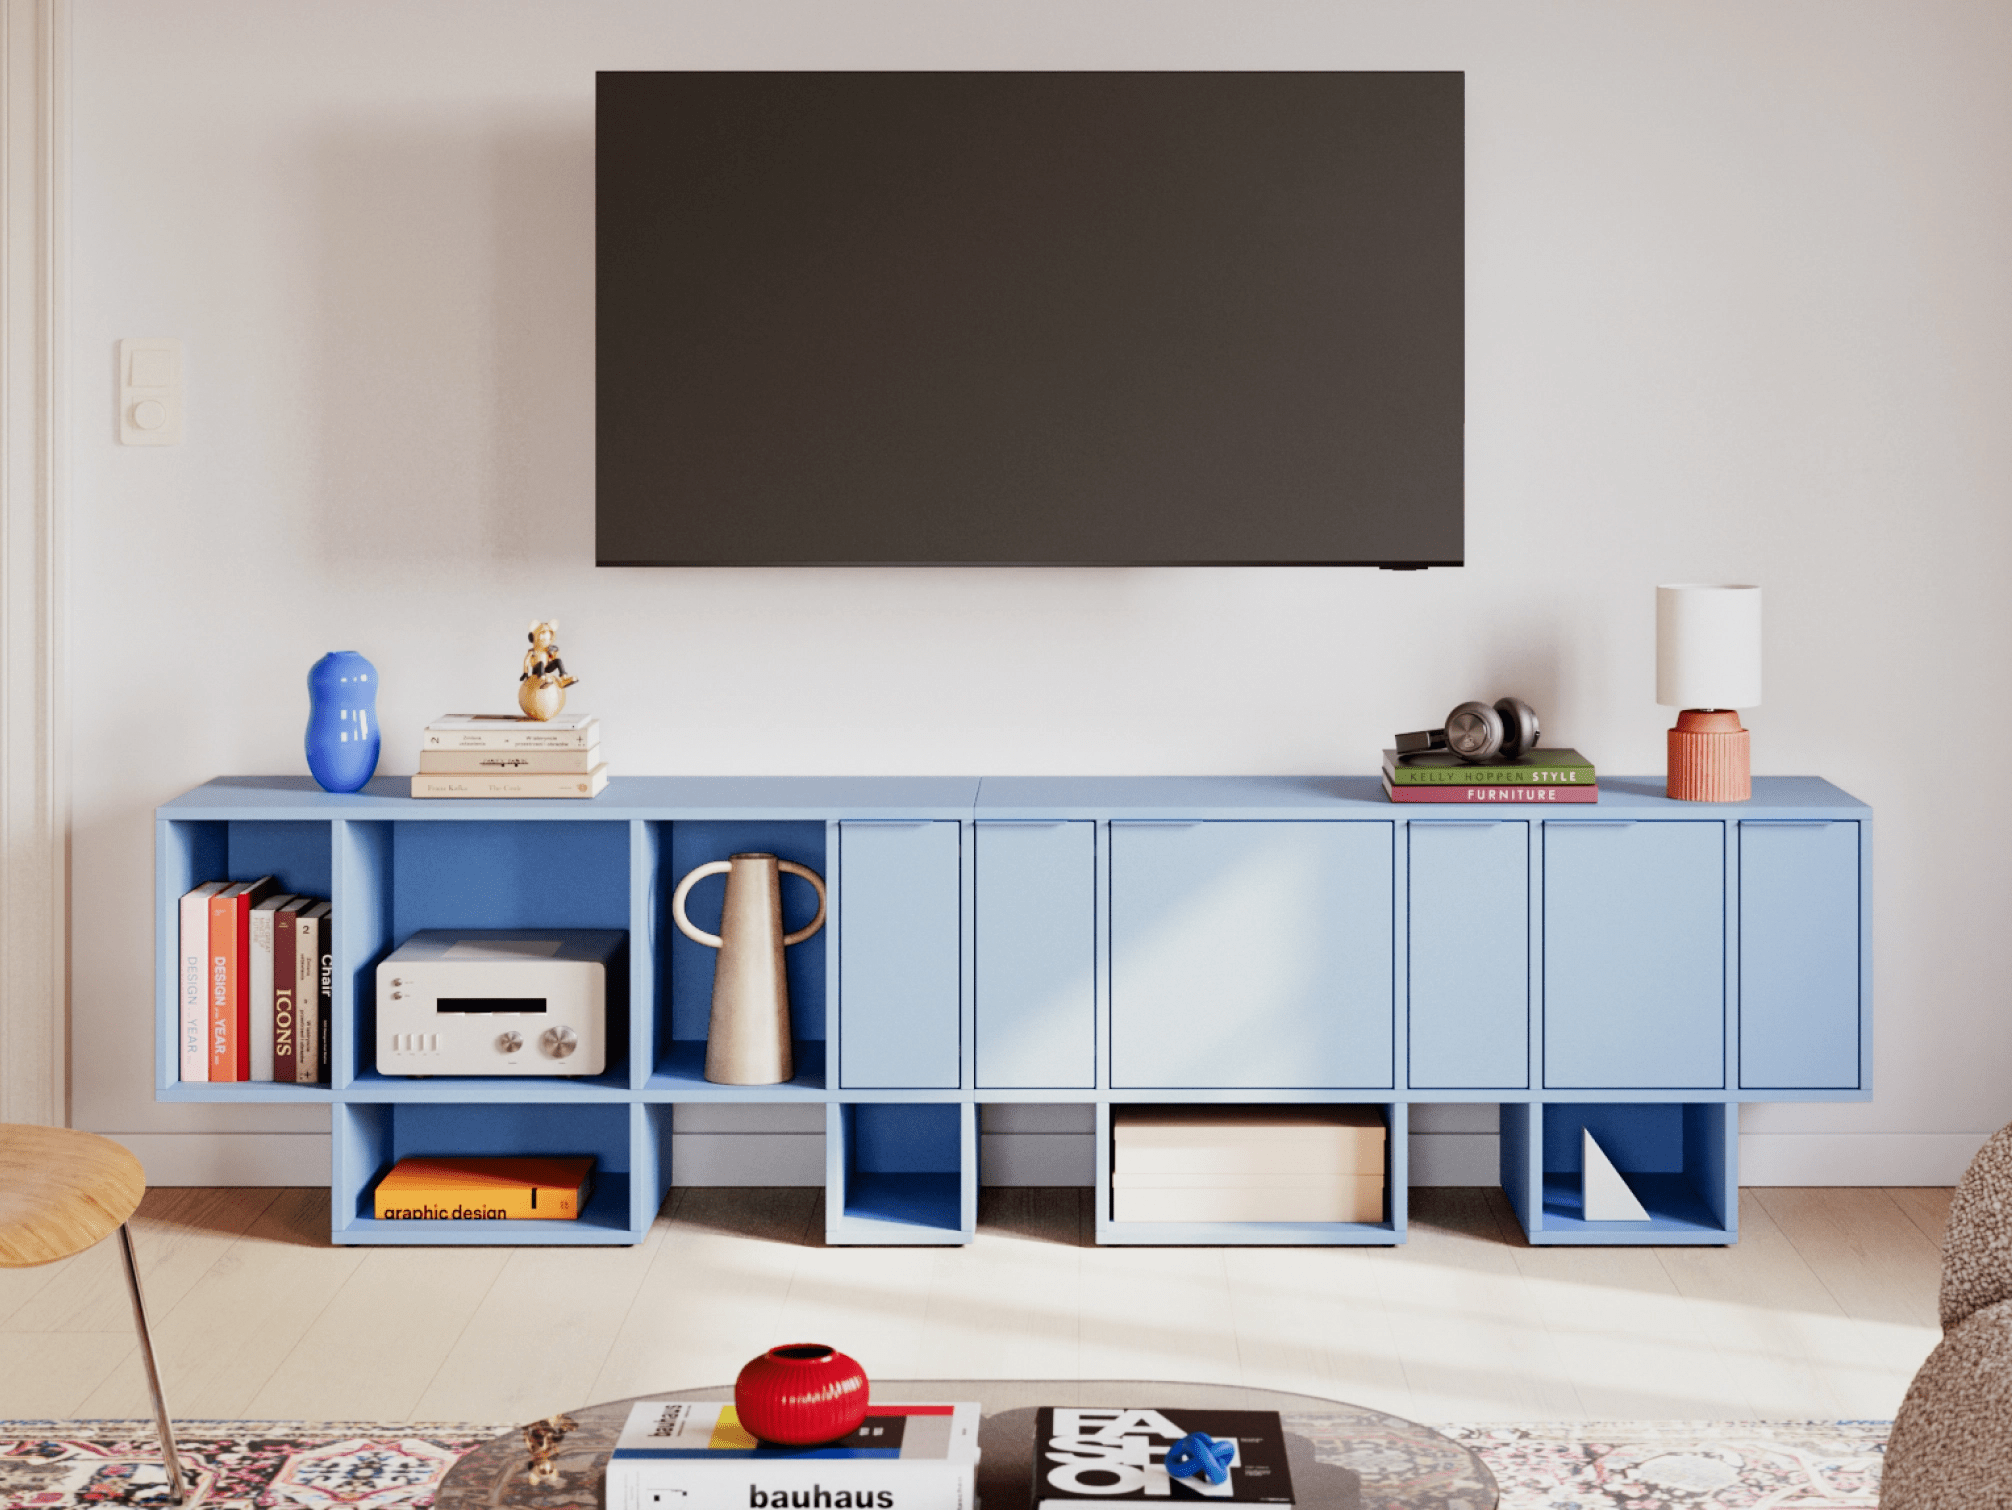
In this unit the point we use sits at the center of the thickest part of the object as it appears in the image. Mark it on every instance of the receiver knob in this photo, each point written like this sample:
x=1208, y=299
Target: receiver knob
x=559, y=1042
x=509, y=1043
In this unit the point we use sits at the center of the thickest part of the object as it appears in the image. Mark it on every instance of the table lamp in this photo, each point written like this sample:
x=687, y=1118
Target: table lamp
x=1708, y=663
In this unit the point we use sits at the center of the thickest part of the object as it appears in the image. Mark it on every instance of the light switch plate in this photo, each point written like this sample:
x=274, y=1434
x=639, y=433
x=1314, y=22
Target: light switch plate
x=150, y=393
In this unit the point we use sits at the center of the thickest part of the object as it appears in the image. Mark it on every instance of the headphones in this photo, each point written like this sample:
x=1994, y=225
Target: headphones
x=1478, y=731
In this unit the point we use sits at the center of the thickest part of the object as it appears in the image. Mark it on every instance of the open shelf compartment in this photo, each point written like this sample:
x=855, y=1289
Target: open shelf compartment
x=296, y=853
x=629, y=1144
x=677, y=972
x=1389, y=1231
x=397, y=878
x=901, y=1172
x=1680, y=1158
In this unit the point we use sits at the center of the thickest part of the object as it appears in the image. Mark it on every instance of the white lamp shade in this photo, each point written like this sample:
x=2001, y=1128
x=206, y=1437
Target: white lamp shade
x=1708, y=645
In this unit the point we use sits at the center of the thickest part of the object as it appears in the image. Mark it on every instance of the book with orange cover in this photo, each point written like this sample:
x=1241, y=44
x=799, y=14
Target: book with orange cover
x=484, y=1189
x=229, y=994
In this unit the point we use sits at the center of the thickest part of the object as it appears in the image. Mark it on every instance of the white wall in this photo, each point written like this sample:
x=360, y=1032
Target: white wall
x=1738, y=309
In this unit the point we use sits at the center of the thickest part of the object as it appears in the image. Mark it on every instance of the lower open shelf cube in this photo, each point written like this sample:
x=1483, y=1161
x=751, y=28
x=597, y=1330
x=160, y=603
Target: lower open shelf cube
x=1388, y=1230
x=629, y=1143
x=1680, y=1159
x=901, y=1172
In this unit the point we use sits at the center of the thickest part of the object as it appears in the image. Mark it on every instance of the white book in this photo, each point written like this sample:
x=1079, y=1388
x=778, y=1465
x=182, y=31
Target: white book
x=258, y=979
x=192, y=980
x=509, y=762
x=684, y=1455
x=511, y=731
x=589, y=785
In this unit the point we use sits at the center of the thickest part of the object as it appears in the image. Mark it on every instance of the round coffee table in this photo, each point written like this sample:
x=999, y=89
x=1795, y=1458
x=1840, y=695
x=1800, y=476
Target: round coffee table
x=1343, y=1457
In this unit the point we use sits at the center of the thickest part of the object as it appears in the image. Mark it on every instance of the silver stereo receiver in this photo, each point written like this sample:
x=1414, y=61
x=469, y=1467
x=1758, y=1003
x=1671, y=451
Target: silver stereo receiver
x=515, y=1001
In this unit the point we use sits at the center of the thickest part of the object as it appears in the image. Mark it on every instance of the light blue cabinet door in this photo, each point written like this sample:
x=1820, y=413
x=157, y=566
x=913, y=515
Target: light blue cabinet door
x=1799, y=956
x=899, y=1000
x=1469, y=955
x=1036, y=910
x=1634, y=955
x=1251, y=954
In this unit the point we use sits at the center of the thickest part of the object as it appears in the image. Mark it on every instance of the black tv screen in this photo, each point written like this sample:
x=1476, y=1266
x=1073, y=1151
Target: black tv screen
x=1030, y=318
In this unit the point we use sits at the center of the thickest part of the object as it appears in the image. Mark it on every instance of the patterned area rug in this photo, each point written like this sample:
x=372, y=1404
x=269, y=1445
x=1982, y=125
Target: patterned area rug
x=1626, y=1465
x=1662, y=1465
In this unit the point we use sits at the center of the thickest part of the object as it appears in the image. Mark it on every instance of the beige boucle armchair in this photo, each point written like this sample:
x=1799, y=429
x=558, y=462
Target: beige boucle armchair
x=1951, y=1447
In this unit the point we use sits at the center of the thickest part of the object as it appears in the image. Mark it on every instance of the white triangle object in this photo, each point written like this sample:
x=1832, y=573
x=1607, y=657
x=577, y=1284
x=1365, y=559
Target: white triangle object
x=1607, y=1197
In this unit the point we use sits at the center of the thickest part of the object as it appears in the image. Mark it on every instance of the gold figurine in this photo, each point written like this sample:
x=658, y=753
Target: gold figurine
x=541, y=690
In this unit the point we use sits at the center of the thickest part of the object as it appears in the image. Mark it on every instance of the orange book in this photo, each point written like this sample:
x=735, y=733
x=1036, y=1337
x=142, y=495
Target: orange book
x=484, y=1190
x=230, y=993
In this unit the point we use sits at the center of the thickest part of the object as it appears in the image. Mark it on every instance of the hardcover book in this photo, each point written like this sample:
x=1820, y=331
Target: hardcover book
x=285, y=1019
x=1533, y=768
x=509, y=762
x=313, y=977
x=511, y=731
x=678, y=1455
x=1087, y=1456
x=193, y=980
x=230, y=1002
x=1501, y=793
x=484, y=785
x=484, y=1190
x=259, y=988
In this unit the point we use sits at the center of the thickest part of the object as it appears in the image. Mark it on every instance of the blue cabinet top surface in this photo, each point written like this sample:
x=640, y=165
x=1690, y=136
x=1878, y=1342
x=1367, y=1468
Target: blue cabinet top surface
x=992, y=797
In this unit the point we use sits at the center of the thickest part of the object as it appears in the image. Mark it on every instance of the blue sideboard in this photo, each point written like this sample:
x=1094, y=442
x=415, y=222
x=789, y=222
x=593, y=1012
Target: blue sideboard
x=1636, y=967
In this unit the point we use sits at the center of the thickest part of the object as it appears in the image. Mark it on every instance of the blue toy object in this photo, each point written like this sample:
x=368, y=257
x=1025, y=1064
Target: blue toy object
x=1198, y=1452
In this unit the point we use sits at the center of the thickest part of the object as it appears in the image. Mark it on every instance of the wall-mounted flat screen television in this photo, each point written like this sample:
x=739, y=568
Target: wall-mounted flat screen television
x=1093, y=319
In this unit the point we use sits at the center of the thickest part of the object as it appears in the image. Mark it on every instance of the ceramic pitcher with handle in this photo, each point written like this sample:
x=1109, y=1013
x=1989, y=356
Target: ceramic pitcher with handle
x=747, y=1041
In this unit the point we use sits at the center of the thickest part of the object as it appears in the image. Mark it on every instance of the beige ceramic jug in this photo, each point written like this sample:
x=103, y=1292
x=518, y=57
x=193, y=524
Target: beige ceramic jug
x=747, y=1041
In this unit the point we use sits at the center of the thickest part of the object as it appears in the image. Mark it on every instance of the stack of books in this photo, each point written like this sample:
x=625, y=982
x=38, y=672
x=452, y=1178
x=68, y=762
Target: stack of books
x=1537, y=776
x=1247, y=1164
x=484, y=1190
x=509, y=755
x=696, y=1455
x=255, y=980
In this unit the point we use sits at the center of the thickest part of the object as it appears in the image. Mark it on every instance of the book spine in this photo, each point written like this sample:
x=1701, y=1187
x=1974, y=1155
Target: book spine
x=1401, y=774
x=324, y=996
x=510, y=739
x=470, y=1204
x=285, y=1061
x=223, y=988
x=258, y=994
x=509, y=762
x=241, y=908
x=307, y=996
x=747, y=1483
x=510, y=786
x=1473, y=794
x=193, y=981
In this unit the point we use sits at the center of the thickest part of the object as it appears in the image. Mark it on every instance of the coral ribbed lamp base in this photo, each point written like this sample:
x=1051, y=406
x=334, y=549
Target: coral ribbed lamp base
x=1709, y=759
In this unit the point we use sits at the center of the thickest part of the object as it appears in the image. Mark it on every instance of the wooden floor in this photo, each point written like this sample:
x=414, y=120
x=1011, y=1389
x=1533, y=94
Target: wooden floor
x=1824, y=1309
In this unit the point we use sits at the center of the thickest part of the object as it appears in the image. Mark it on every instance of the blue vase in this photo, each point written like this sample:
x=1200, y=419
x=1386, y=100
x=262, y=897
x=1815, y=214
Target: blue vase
x=342, y=736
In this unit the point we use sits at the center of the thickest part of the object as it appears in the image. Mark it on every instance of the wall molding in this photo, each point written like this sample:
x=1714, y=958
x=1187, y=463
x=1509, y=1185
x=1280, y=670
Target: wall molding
x=34, y=721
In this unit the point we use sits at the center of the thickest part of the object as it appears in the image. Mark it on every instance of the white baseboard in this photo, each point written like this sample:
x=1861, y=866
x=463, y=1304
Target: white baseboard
x=1831, y=1158
x=752, y=1158
x=1455, y=1158
x=230, y=1159
x=1061, y=1158
x=1037, y=1159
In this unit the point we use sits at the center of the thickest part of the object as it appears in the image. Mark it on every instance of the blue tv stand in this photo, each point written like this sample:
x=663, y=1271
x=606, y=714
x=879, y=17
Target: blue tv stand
x=1637, y=967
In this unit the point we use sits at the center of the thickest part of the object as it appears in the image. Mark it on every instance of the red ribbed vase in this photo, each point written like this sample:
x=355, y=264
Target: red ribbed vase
x=800, y=1393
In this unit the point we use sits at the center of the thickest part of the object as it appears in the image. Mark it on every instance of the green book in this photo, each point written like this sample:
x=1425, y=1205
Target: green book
x=1537, y=768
